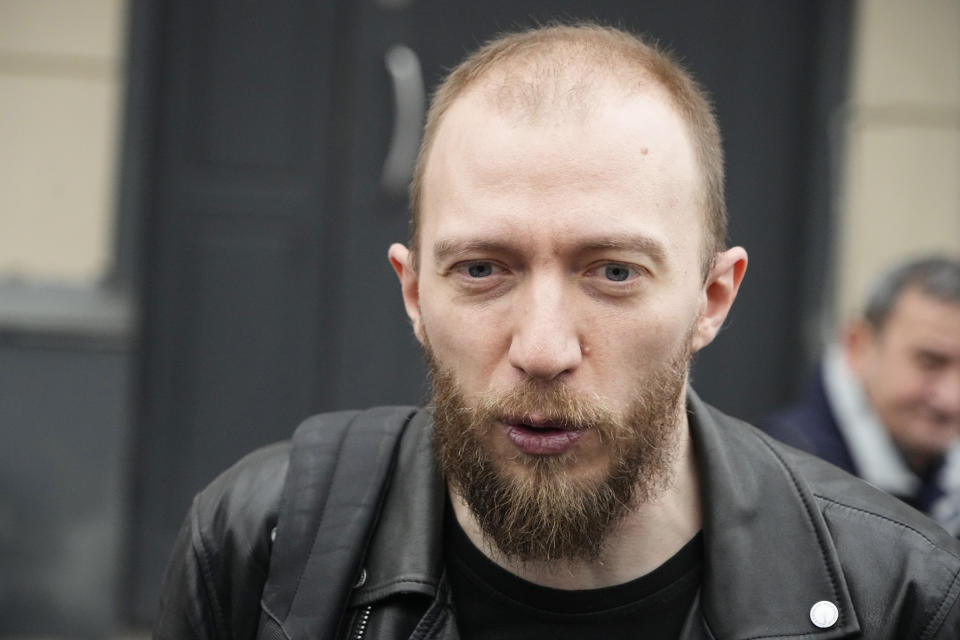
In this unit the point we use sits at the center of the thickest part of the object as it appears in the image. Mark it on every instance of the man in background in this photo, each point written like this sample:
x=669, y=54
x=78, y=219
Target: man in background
x=885, y=404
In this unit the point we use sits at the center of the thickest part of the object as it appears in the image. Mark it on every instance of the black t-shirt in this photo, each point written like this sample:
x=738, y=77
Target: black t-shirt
x=493, y=604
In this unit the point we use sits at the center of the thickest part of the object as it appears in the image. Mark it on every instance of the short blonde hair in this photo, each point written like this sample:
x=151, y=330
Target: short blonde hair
x=578, y=52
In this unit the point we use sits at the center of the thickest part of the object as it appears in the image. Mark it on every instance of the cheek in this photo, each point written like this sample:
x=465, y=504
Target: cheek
x=897, y=395
x=665, y=326
x=467, y=340
x=899, y=378
x=639, y=342
x=909, y=388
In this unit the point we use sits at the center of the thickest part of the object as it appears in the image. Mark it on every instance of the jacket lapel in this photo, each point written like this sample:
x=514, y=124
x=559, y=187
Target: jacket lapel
x=768, y=554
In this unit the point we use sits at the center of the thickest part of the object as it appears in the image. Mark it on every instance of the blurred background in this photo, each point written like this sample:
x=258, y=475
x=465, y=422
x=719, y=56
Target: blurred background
x=196, y=198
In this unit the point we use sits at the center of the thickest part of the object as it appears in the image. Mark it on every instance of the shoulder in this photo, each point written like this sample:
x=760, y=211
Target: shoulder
x=242, y=503
x=902, y=566
x=234, y=517
x=847, y=501
x=810, y=414
x=810, y=425
x=216, y=571
x=786, y=427
x=219, y=566
x=809, y=530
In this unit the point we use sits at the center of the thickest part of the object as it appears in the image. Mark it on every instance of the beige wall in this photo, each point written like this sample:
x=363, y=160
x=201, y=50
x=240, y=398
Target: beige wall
x=60, y=84
x=900, y=186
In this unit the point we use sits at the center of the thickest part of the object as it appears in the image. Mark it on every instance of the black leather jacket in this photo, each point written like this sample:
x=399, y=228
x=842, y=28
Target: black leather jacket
x=782, y=531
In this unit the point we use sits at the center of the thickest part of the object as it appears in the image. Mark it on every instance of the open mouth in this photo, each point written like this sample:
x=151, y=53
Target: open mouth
x=542, y=424
x=537, y=436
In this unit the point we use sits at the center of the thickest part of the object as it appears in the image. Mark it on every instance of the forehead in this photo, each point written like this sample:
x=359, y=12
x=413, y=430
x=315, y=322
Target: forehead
x=623, y=157
x=918, y=316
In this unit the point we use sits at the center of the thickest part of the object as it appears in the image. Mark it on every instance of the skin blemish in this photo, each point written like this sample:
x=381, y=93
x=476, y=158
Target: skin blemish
x=644, y=150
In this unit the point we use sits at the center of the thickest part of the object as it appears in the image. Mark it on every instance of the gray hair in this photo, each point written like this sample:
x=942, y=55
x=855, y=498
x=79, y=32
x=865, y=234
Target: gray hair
x=935, y=276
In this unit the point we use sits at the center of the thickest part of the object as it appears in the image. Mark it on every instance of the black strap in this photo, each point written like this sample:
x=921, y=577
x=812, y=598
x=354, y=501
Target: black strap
x=339, y=467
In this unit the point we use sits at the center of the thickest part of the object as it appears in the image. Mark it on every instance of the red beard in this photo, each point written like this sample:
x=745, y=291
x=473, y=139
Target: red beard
x=541, y=510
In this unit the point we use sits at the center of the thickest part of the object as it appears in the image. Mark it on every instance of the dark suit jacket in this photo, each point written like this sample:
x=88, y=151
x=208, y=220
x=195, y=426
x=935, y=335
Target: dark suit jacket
x=810, y=425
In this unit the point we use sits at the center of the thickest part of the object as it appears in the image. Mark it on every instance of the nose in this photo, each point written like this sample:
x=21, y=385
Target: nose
x=545, y=342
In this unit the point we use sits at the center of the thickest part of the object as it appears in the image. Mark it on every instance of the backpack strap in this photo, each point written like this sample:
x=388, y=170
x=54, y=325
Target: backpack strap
x=340, y=464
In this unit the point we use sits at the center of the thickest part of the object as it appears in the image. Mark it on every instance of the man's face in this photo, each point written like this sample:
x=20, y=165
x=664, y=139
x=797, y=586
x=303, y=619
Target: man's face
x=910, y=369
x=559, y=280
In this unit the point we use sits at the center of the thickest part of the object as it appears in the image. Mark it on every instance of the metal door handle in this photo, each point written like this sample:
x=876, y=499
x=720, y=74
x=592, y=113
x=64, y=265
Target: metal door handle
x=409, y=101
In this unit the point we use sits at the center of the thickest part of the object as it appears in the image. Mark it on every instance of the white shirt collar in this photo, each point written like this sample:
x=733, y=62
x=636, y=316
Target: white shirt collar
x=871, y=447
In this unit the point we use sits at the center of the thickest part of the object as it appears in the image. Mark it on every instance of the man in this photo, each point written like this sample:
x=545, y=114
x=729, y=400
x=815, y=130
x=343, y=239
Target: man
x=885, y=404
x=566, y=259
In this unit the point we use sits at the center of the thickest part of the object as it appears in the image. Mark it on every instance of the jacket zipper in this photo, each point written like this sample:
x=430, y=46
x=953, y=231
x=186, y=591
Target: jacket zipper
x=363, y=619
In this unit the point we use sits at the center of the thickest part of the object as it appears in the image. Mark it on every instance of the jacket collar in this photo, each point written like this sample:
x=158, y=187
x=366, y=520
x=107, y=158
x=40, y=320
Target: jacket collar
x=768, y=554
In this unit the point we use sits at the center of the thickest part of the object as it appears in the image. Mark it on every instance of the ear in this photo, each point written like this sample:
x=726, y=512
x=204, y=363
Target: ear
x=402, y=260
x=858, y=338
x=719, y=292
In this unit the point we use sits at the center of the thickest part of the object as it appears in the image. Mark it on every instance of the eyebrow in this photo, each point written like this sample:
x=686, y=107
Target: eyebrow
x=447, y=248
x=632, y=243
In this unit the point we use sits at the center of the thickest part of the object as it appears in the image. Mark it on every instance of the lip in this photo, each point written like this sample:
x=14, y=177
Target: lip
x=538, y=438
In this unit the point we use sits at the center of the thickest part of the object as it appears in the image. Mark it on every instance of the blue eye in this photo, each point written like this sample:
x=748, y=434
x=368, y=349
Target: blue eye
x=616, y=272
x=480, y=269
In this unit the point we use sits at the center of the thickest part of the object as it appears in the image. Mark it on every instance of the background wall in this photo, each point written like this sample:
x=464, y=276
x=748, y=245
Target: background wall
x=899, y=189
x=61, y=80
x=65, y=339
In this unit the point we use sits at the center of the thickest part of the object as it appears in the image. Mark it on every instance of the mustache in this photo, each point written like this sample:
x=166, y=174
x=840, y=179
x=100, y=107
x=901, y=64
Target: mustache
x=540, y=404
x=544, y=405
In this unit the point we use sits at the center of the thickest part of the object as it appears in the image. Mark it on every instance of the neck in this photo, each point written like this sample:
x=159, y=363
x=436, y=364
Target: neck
x=649, y=534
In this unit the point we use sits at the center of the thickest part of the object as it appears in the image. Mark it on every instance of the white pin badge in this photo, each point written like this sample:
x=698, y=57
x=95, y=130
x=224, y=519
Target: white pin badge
x=824, y=614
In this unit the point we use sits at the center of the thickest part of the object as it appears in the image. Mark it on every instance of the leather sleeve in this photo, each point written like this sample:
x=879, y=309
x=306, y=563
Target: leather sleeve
x=216, y=572
x=185, y=611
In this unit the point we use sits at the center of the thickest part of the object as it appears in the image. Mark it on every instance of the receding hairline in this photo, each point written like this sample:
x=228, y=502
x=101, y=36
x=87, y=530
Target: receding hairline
x=562, y=78
x=533, y=72
x=567, y=57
